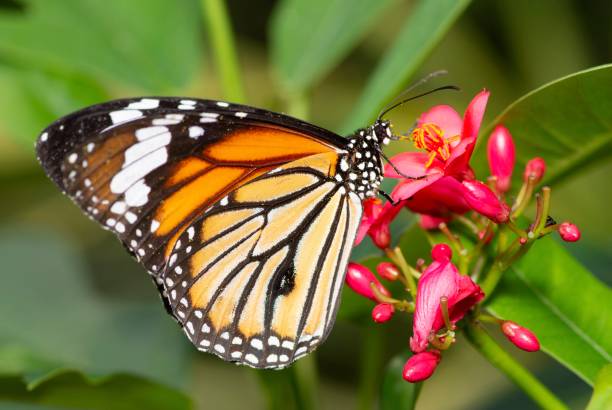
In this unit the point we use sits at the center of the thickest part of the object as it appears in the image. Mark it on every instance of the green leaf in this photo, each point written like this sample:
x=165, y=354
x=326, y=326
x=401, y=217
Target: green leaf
x=51, y=317
x=568, y=122
x=423, y=30
x=552, y=294
x=32, y=99
x=396, y=393
x=309, y=37
x=149, y=44
x=602, y=395
x=70, y=389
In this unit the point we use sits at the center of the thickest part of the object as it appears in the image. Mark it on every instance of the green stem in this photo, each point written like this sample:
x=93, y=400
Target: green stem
x=370, y=366
x=223, y=46
x=397, y=257
x=305, y=382
x=522, y=377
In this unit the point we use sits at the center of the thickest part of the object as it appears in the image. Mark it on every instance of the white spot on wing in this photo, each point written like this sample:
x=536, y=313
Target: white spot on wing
x=124, y=115
x=144, y=104
x=148, y=132
x=44, y=136
x=141, y=149
x=138, y=170
x=222, y=104
x=241, y=114
x=137, y=195
x=195, y=131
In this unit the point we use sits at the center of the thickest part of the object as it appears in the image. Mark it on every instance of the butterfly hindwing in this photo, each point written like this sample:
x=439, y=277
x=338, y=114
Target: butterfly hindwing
x=145, y=168
x=256, y=278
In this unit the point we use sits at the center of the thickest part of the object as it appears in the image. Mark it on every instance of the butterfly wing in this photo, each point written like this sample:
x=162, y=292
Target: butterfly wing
x=256, y=278
x=145, y=168
x=237, y=212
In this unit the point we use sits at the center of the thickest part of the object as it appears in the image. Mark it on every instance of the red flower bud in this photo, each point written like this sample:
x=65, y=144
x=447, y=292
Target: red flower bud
x=381, y=236
x=536, y=168
x=521, y=337
x=382, y=312
x=500, y=152
x=359, y=278
x=569, y=232
x=441, y=253
x=421, y=366
x=482, y=200
x=388, y=271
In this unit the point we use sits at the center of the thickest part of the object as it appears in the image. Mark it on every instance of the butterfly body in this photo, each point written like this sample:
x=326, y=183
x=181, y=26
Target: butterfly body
x=245, y=218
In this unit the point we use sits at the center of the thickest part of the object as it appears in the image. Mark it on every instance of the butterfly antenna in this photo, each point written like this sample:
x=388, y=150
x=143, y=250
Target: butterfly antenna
x=445, y=87
x=397, y=170
x=387, y=197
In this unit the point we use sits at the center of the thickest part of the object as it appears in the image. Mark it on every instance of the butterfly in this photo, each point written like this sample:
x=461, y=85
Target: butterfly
x=245, y=218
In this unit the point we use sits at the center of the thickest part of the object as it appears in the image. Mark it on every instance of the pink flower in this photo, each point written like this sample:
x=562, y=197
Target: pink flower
x=429, y=222
x=440, y=279
x=421, y=366
x=482, y=200
x=446, y=182
x=569, y=232
x=375, y=222
x=382, y=312
x=535, y=167
x=359, y=279
x=449, y=142
x=500, y=152
x=521, y=337
x=387, y=270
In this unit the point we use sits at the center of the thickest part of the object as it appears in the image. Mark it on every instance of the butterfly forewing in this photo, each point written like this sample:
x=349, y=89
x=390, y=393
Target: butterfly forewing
x=146, y=168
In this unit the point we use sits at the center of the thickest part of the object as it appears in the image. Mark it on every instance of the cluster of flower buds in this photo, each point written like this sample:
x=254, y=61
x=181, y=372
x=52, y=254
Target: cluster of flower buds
x=445, y=193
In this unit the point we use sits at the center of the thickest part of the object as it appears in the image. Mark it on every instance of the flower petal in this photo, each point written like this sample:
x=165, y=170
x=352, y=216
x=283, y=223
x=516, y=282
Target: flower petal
x=459, y=159
x=408, y=187
x=441, y=198
x=439, y=279
x=412, y=164
x=445, y=117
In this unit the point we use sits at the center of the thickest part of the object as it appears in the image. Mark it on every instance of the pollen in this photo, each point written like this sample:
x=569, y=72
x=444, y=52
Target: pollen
x=430, y=137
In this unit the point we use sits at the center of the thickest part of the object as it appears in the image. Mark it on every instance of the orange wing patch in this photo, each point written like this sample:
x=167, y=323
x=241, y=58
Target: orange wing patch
x=264, y=145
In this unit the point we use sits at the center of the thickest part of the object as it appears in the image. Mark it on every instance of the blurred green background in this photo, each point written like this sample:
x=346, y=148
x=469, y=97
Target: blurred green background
x=70, y=296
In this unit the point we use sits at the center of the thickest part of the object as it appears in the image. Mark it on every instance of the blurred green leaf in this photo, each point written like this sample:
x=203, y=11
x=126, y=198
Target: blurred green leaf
x=552, y=294
x=568, y=122
x=157, y=52
x=422, y=31
x=396, y=393
x=309, y=37
x=32, y=99
x=56, y=319
x=70, y=389
x=602, y=395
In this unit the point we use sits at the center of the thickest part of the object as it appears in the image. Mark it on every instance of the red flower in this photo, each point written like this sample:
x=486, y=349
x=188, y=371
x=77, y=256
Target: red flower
x=521, y=337
x=382, y=312
x=535, y=168
x=359, y=279
x=569, y=232
x=375, y=222
x=500, y=152
x=445, y=179
x=421, y=366
x=449, y=142
x=441, y=279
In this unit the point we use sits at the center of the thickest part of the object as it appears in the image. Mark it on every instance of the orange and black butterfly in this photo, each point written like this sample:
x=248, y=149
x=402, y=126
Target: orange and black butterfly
x=245, y=218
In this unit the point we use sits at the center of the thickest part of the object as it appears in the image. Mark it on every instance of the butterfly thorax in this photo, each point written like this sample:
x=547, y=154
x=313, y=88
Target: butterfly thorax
x=361, y=169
